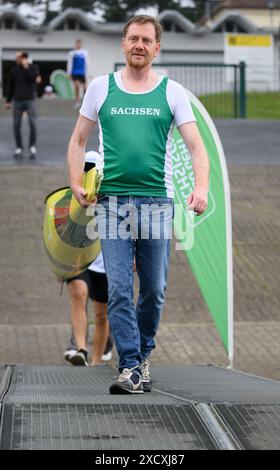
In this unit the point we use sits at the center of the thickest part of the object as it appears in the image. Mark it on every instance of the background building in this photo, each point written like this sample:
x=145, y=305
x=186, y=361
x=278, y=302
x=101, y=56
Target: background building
x=182, y=41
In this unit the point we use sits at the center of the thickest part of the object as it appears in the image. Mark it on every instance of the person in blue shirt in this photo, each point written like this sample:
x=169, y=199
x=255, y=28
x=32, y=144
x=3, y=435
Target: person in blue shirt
x=77, y=69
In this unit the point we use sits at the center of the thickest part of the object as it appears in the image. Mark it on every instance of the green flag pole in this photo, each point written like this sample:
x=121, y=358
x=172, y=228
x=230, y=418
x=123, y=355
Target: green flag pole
x=209, y=247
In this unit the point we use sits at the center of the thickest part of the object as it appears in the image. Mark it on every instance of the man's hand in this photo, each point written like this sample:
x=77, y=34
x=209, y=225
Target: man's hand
x=197, y=201
x=25, y=62
x=8, y=105
x=80, y=194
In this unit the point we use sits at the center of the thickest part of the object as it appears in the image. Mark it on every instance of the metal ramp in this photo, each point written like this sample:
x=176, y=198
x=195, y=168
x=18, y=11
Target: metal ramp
x=190, y=407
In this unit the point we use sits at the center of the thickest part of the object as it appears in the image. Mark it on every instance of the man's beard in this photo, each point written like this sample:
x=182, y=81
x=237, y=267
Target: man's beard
x=132, y=62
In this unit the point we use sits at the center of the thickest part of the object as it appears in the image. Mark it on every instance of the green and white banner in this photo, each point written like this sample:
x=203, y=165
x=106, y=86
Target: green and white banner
x=62, y=84
x=208, y=243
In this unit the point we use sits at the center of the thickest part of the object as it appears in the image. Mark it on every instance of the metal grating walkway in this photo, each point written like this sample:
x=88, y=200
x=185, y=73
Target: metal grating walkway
x=212, y=384
x=192, y=407
x=102, y=427
x=257, y=426
x=71, y=385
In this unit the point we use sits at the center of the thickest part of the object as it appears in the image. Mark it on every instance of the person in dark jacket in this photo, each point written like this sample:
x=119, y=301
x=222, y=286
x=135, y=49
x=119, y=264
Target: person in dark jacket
x=22, y=91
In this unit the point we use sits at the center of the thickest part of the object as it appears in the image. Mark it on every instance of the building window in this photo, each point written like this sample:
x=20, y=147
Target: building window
x=240, y=30
x=8, y=23
x=178, y=29
x=82, y=27
x=230, y=27
x=19, y=26
x=167, y=26
x=171, y=27
x=72, y=24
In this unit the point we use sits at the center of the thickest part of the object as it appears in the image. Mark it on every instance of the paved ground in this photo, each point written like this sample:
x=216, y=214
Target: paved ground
x=53, y=138
x=250, y=141
x=244, y=141
x=257, y=346
x=34, y=318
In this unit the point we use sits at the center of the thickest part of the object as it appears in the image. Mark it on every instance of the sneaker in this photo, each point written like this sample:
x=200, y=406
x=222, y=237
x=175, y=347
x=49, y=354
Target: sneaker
x=107, y=354
x=68, y=353
x=109, y=344
x=32, y=152
x=18, y=152
x=79, y=358
x=107, y=357
x=146, y=379
x=128, y=382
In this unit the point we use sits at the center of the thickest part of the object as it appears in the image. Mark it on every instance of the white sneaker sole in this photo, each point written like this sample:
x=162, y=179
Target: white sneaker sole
x=117, y=389
x=107, y=357
x=77, y=360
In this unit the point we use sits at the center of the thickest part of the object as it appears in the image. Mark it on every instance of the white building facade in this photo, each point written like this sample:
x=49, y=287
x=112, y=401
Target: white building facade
x=182, y=41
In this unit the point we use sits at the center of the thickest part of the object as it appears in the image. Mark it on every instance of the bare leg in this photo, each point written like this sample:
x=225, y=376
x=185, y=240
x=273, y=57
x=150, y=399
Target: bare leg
x=84, y=88
x=77, y=90
x=101, y=332
x=78, y=295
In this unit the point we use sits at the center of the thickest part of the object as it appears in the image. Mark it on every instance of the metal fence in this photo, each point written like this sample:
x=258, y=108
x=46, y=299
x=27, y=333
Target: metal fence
x=263, y=78
x=220, y=87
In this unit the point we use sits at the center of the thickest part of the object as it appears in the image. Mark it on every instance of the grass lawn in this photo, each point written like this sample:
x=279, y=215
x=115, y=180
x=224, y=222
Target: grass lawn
x=259, y=105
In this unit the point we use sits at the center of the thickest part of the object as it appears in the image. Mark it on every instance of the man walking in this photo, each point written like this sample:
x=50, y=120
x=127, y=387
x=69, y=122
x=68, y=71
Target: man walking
x=22, y=90
x=137, y=109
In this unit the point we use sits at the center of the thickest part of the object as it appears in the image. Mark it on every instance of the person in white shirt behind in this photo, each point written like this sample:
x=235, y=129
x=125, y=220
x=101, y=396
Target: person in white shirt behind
x=91, y=283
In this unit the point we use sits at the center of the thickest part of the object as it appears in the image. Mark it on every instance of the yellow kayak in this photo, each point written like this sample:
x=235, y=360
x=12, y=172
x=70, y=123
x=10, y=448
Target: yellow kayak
x=67, y=245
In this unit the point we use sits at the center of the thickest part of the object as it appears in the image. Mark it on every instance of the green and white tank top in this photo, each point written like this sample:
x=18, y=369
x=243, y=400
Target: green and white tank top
x=135, y=133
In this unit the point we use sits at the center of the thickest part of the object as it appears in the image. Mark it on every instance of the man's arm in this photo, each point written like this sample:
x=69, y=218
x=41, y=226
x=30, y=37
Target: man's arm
x=38, y=77
x=198, y=198
x=69, y=64
x=11, y=89
x=29, y=69
x=76, y=157
x=87, y=64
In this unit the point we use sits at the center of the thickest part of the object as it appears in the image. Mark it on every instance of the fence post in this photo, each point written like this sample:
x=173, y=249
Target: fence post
x=235, y=92
x=242, y=90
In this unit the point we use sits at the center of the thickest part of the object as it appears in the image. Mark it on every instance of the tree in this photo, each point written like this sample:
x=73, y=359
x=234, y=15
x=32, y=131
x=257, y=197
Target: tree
x=85, y=5
x=15, y=3
x=121, y=10
x=43, y=5
x=114, y=10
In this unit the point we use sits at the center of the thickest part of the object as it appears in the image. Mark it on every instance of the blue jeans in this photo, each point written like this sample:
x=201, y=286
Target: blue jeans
x=140, y=227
